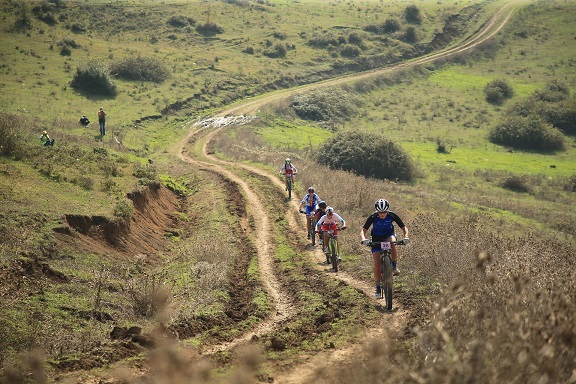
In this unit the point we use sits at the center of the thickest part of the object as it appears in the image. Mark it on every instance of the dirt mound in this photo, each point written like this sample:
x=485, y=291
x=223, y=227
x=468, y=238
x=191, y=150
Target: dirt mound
x=142, y=238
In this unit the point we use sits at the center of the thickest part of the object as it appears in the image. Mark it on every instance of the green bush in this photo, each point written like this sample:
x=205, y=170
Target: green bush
x=325, y=105
x=515, y=183
x=209, y=28
x=553, y=91
x=140, y=68
x=124, y=210
x=412, y=14
x=497, y=91
x=10, y=134
x=366, y=154
x=278, y=50
x=94, y=78
x=530, y=132
x=349, y=50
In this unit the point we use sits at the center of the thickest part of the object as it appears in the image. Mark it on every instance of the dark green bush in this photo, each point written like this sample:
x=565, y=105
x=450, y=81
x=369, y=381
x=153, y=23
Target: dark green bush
x=412, y=14
x=410, y=35
x=497, y=91
x=94, y=78
x=515, y=183
x=391, y=26
x=553, y=91
x=571, y=184
x=531, y=132
x=140, y=68
x=325, y=105
x=209, y=28
x=278, y=50
x=349, y=50
x=366, y=154
x=323, y=40
x=178, y=21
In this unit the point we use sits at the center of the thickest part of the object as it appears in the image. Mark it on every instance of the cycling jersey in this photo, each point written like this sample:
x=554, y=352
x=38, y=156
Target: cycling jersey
x=331, y=223
x=311, y=202
x=288, y=170
x=382, y=228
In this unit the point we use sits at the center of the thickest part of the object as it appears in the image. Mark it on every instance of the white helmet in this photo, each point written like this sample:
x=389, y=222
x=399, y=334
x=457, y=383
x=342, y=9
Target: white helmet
x=287, y=161
x=382, y=205
x=329, y=210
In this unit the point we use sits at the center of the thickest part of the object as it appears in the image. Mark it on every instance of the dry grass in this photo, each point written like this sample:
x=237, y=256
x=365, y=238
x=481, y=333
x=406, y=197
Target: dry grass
x=496, y=300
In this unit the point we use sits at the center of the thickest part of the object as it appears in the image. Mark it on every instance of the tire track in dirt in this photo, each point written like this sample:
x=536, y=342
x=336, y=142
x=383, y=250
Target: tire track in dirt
x=246, y=110
x=284, y=307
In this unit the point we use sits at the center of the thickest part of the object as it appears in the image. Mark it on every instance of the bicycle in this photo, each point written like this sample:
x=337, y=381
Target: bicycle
x=386, y=277
x=312, y=231
x=289, y=183
x=332, y=257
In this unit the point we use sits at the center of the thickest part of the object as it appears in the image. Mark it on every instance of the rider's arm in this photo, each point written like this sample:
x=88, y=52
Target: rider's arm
x=367, y=224
x=400, y=223
x=319, y=224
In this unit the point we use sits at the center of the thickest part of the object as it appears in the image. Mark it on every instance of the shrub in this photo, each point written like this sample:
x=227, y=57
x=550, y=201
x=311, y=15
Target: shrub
x=412, y=14
x=366, y=154
x=10, y=134
x=94, y=77
x=515, y=183
x=178, y=21
x=531, y=132
x=124, y=210
x=571, y=184
x=324, y=40
x=350, y=50
x=324, y=105
x=355, y=38
x=140, y=68
x=553, y=91
x=391, y=26
x=278, y=50
x=410, y=35
x=209, y=28
x=497, y=91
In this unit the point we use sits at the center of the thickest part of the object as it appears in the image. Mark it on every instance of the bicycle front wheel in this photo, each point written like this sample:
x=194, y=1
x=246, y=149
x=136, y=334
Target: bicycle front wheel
x=313, y=231
x=289, y=188
x=333, y=254
x=387, y=280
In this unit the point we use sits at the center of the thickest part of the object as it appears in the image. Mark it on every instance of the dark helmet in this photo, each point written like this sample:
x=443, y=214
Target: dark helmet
x=382, y=205
x=322, y=204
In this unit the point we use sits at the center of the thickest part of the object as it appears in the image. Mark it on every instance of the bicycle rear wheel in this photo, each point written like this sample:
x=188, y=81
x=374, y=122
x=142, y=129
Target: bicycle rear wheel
x=387, y=282
x=313, y=231
x=333, y=254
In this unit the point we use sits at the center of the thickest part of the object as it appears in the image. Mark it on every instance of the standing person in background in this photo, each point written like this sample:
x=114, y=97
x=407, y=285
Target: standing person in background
x=382, y=222
x=102, y=121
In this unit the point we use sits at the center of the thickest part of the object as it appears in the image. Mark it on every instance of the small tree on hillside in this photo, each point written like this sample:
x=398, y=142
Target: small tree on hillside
x=366, y=154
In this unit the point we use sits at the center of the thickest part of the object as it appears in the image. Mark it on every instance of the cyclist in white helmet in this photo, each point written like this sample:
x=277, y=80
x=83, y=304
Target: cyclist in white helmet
x=382, y=222
x=329, y=222
x=288, y=169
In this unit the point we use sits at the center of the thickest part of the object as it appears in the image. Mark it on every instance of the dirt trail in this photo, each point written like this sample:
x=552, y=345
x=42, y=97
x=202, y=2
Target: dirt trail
x=244, y=112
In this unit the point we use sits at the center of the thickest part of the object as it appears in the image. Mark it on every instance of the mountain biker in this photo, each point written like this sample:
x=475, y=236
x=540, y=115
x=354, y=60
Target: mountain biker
x=311, y=200
x=321, y=211
x=330, y=222
x=288, y=169
x=382, y=222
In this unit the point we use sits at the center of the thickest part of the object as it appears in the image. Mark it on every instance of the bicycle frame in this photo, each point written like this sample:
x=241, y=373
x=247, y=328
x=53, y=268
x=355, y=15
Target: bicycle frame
x=333, y=251
x=386, y=276
x=289, y=184
x=312, y=230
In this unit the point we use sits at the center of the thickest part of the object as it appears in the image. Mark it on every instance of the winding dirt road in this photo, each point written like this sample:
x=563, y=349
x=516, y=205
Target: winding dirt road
x=242, y=113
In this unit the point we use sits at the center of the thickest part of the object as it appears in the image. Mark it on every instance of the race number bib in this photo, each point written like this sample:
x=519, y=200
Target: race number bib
x=385, y=245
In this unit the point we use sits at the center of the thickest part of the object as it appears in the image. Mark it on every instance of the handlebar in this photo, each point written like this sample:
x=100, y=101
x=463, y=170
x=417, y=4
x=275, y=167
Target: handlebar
x=373, y=243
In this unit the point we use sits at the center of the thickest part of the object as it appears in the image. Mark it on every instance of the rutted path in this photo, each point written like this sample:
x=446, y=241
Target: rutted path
x=245, y=112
